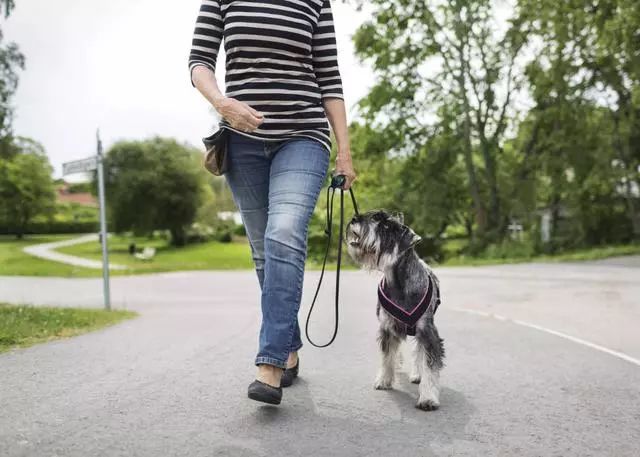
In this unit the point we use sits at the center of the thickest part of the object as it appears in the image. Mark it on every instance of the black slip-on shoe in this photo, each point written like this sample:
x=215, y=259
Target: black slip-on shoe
x=289, y=375
x=265, y=393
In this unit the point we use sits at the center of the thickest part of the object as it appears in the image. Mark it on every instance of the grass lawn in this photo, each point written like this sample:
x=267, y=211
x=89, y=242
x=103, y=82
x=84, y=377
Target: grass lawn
x=595, y=253
x=14, y=262
x=223, y=256
x=22, y=326
x=199, y=256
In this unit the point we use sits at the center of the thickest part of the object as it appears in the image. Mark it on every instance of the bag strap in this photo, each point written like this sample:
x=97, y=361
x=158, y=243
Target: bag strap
x=336, y=182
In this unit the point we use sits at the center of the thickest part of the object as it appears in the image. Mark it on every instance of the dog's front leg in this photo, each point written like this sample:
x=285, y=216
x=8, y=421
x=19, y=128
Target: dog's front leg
x=389, y=345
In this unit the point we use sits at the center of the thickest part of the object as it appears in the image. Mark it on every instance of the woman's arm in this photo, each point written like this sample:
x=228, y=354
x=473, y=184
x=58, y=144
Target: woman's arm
x=207, y=37
x=325, y=63
x=239, y=115
x=336, y=113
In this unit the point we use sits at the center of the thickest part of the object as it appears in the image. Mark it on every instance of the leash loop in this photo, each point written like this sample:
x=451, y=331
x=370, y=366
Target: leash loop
x=336, y=183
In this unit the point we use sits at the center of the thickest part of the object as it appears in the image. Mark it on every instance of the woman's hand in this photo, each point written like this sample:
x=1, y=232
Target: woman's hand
x=344, y=166
x=238, y=114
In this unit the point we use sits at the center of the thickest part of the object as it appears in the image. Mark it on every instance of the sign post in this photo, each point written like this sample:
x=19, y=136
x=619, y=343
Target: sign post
x=103, y=226
x=91, y=164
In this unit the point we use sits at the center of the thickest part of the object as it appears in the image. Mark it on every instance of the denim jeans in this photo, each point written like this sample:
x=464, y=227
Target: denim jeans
x=275, y=185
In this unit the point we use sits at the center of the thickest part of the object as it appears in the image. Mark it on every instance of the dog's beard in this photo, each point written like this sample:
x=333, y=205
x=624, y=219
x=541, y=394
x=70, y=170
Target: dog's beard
x=364, y=247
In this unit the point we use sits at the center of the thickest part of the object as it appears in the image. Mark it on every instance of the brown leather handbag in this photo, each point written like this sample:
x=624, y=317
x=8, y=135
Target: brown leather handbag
x=216, y=160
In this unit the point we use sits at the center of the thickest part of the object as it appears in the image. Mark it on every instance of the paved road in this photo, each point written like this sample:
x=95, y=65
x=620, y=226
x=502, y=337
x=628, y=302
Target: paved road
x=47, y=251
x=173, y=381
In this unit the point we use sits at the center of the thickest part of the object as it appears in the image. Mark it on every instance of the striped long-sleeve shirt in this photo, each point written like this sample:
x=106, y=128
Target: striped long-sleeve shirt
x=281, y=59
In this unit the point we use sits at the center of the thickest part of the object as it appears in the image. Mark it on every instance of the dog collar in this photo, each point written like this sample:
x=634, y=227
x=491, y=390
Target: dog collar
x=411, y=317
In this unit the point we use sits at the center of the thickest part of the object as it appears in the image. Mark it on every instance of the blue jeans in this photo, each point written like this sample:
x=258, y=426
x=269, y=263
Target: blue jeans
x=275, y=185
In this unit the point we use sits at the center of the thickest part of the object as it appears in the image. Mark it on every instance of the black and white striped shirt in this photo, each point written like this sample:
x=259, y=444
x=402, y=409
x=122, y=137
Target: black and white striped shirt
x=281, y=59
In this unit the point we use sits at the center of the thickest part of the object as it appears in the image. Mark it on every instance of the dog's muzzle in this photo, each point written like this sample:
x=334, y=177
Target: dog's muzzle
x=353, y=237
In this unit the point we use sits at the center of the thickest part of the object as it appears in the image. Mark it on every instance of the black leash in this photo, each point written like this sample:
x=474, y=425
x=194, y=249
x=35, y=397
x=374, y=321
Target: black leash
x=336, y=183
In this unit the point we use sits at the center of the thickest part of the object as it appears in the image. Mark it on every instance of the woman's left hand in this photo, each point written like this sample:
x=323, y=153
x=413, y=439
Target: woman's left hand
x=344, y=166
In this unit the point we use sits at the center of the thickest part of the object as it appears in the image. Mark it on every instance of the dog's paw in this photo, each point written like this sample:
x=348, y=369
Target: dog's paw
x=383, y=384
x=414, y=378
x=427, y=405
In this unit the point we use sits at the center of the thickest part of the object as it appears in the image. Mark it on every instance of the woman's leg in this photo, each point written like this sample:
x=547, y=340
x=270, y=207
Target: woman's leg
x=248, y=179
x=298, y=170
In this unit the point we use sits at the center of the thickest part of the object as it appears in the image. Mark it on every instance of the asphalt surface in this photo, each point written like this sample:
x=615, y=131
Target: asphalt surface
x=173, y=382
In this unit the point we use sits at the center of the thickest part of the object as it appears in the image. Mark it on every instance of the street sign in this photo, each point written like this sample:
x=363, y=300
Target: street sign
x=80, y=166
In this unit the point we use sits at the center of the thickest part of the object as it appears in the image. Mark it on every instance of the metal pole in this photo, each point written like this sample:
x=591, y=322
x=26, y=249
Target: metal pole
x=103, y=227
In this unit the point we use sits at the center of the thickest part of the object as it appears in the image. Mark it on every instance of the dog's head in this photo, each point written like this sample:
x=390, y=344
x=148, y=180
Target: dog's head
x=376, y=239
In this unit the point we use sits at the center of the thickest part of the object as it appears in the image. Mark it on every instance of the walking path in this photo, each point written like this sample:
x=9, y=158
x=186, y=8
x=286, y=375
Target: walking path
x=46, y=251
x=533, y=368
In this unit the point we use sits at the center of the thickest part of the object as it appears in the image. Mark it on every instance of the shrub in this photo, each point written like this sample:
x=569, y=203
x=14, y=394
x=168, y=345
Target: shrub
x=54, y=227
x=239, y=230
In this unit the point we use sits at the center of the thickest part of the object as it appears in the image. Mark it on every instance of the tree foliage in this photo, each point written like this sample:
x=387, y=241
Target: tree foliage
x=26, y=186
x=443, y=71
x=492, y=115
x=11, y=61
x=153, y=185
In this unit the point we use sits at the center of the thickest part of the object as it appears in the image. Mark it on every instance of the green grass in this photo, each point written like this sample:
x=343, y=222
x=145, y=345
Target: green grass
x=581, y=255
x=14, y=262
x=22, y=326
x=234, y=256
x=211, y=255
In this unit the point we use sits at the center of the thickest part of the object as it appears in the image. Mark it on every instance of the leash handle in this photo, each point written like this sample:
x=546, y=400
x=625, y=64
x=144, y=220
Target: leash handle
x=336, y=183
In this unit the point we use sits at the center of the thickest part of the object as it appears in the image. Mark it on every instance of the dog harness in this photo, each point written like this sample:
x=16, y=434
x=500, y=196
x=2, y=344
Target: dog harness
x=410, y=318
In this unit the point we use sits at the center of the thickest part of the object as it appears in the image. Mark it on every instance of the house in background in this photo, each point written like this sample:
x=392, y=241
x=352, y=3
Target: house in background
x=65, y=193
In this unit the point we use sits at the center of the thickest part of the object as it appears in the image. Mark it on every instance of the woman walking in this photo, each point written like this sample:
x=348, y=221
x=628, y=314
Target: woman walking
x=283, y=89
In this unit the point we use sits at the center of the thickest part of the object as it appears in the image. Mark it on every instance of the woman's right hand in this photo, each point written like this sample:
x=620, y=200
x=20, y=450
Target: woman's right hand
x=238, y=114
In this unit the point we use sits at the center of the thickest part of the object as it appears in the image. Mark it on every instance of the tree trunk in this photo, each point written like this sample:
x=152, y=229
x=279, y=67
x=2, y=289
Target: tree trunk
x=480, y=212
x=494, y=199
x=178, y=236
x=624, y=156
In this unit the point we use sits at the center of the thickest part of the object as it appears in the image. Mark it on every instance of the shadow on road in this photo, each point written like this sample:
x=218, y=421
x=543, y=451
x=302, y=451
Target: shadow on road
x=301, y=427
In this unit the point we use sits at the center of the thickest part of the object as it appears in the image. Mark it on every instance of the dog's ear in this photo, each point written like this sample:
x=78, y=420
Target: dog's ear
x=410, y=239
x=415, y=238
x=398, y=216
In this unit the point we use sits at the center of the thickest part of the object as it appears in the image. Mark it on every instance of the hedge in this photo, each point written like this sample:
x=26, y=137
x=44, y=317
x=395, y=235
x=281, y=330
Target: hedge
x=54, y=227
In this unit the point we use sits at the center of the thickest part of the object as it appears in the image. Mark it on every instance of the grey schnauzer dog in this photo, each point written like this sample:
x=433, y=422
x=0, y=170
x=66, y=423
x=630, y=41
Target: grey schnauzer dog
x=379, y=241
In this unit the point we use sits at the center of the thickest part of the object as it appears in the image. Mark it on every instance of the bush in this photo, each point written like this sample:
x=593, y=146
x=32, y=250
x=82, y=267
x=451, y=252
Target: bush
x=240, y=230
x=509, y=249
x=54, y=227
x=224, y=236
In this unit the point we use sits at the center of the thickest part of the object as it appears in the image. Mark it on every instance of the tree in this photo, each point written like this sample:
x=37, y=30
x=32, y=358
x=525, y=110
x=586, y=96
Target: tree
x=442, y=65
x=585, y=81
x=11, y=60
x=26, y=185
x=7, y=6
x=153, y=185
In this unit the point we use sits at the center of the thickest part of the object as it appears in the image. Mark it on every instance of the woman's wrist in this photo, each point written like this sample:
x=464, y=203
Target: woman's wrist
x=344, y=146
x=217, y=100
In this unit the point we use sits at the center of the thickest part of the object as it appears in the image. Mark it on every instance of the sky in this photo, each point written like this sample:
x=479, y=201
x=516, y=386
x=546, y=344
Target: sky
x=121, y=66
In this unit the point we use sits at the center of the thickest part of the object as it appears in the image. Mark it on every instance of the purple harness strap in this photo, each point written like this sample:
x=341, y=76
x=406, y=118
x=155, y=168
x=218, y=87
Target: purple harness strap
x=409, y=318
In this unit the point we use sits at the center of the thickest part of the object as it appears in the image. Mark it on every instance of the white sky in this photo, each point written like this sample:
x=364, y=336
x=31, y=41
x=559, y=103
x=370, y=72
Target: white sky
x=121, y=65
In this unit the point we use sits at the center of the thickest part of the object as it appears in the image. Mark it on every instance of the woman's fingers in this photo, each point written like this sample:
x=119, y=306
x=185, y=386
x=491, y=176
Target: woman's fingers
x=344, y=166
x=349, y=179
x=256, y=113
x=252, y=117
x=248, y=119
x=241, y=116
